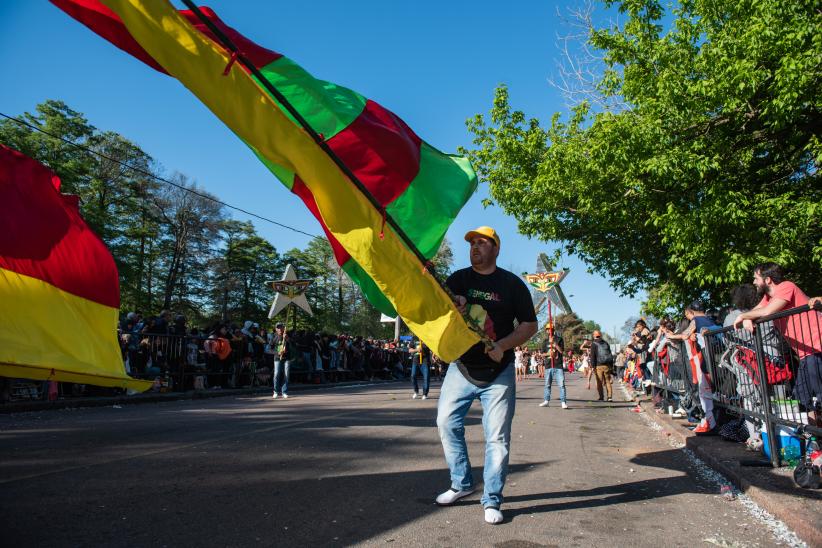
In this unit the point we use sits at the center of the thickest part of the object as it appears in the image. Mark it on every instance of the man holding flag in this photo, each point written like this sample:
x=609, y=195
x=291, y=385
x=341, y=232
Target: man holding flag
x=495, y=298
x=553, y=351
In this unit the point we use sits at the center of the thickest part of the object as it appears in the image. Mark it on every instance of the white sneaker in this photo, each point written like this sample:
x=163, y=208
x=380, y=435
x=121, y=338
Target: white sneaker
x=564, y=405
x=493, y=516
x=274, y=396
x=544, y=404
x=451, y=496
x=424, y=397
x=285, y=396
x=415, y=396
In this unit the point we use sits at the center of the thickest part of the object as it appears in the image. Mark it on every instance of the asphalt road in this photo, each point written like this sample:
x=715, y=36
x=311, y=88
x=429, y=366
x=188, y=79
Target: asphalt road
x=356, y=465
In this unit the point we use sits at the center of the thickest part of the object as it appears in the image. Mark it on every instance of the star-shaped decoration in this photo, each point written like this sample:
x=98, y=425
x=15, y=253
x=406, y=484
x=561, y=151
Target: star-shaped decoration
x=289, y=290
x=543, y=281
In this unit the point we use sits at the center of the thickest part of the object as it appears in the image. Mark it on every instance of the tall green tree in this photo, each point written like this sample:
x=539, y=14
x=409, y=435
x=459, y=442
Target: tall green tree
x=239, y=271
x=694, y=155
x=115, y=201
x=572, y=329
x=192, y=233
x=70, y=163
x=443, y=261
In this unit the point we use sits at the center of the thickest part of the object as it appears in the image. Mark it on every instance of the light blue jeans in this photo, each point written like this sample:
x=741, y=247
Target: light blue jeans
x=498, y=403
x=281, y=367
x=550, y=374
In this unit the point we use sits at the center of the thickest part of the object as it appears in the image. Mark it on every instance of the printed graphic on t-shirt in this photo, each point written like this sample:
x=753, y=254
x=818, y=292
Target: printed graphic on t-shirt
x=484, y=295
x=481, y=317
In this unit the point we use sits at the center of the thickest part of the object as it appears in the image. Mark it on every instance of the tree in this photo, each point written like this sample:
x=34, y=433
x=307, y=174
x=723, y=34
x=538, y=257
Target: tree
x=70, y=163
x=193, y=222
x=572, y=329
x=706, y=164
x=443, y=261
x=239, y=270
x=115, y=201
x=591, y=326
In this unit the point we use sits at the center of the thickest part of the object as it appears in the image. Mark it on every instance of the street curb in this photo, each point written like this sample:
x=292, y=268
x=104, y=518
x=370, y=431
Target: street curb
x=29, y=406
x=806, y=527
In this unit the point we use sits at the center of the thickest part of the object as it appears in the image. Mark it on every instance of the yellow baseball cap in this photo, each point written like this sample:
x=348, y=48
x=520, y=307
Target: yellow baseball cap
x=485, y=232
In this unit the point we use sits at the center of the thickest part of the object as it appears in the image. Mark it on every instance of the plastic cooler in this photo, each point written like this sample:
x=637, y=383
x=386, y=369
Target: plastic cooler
x=786, y=438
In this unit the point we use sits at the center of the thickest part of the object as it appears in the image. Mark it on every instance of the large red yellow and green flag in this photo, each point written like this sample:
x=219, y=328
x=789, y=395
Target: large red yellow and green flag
x=418, y=187
x=59, y=290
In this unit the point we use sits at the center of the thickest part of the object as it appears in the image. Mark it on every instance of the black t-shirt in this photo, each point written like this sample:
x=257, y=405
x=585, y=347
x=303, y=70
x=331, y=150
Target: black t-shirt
x=495, y=300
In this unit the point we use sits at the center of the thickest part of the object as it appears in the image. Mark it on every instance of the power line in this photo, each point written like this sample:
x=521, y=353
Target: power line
x=153, y=176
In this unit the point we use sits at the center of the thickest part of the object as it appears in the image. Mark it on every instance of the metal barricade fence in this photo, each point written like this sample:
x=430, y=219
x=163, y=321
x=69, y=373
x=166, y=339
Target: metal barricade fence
x=159, y=355
x=769, y=375
x=182, y=358
x=669, y=370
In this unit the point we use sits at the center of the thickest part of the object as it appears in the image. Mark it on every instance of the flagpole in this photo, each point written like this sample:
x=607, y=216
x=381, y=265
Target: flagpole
x=236, y=53
x=550, y=334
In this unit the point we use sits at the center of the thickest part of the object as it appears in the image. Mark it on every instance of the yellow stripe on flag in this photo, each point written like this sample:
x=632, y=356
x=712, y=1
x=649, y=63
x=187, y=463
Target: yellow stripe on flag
x=48, y=333
x=238, y=101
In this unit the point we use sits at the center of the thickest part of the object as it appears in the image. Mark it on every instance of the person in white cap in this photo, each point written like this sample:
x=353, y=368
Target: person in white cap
x=496, y=299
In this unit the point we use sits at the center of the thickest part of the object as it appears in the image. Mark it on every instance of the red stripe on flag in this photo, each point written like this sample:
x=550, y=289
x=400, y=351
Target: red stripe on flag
x=381, y=150
x=299, y=188
x=102, y=20
x=256, y=54
x=42, y=234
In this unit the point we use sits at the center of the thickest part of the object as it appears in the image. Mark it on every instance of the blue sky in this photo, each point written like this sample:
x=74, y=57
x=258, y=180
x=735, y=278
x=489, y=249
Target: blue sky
x=433, y=63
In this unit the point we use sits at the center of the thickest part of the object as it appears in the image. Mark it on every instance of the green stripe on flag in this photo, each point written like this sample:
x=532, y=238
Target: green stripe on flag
x=434, y=198
x=368, y=287
x=285, y=176
x=327, y=107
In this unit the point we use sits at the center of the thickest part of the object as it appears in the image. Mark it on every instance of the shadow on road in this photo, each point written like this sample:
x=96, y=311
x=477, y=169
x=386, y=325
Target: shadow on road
x=617, y=493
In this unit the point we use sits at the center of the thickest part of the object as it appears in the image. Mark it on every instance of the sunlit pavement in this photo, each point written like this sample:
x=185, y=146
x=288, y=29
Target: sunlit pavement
x=354, y=465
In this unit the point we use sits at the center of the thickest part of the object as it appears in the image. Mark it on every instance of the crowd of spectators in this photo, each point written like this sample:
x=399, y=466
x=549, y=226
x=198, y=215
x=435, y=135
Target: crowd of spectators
x=672, y=363
x=168, y=350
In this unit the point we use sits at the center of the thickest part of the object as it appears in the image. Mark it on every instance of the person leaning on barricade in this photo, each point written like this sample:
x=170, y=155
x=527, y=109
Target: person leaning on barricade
x=692, y=335
x=739, y=354
x=803, y=332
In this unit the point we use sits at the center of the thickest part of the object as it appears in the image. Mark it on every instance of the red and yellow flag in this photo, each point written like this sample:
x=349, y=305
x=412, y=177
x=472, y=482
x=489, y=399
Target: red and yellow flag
x=59, y=289
x=418, y=186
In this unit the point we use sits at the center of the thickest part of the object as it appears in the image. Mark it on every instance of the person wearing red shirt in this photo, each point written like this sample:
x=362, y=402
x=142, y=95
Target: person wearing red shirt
x=802, y=331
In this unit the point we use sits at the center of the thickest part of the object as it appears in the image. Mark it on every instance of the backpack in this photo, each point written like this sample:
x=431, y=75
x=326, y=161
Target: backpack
x=775, y=373
x=604, y=356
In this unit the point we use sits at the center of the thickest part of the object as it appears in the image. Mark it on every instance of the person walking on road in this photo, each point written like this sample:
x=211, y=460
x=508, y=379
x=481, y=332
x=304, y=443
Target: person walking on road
x=498, y=299
x=553, y=349
x=421, y=361
x=602, y=361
